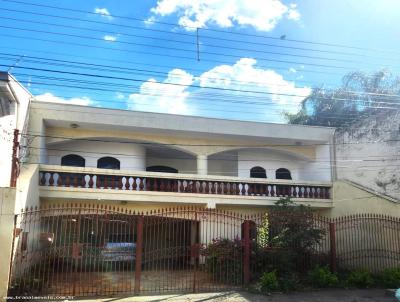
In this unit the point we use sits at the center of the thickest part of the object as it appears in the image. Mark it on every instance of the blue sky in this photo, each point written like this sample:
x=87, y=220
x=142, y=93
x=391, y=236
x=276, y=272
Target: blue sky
x=252, y=64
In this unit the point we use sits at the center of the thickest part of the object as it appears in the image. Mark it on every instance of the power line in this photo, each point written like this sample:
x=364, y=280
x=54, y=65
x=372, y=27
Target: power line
x=106, y=59
x=32, y=134
x=166, y=48
x=146, y=71
x=125, y=70
x=257, y=92
x=160, y=47
x=234, y=157
x=193, y=28
x=267, y=105
x=203, y=44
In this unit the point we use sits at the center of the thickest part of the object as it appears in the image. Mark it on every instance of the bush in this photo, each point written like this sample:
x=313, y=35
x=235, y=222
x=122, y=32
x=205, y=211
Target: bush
x=289, y=282
x=269, y=281
x=322, y=277
x=360, y=278
x=223, y=260
x=279, y=260
x=390, y=278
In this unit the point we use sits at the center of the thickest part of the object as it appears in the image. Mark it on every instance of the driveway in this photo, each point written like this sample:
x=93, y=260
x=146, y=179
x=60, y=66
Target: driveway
x=370, y=295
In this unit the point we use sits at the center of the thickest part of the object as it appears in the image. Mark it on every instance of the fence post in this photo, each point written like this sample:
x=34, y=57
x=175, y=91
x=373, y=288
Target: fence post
x=246, y=260
x=139, y=251
x=332, y=237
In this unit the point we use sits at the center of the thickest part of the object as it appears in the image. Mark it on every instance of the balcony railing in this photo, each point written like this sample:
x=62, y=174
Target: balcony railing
x=57, y=176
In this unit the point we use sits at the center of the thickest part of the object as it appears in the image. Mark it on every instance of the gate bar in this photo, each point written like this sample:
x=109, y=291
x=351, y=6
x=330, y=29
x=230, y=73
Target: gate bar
x=332, y=237
x=139, y=251
x=246, y=260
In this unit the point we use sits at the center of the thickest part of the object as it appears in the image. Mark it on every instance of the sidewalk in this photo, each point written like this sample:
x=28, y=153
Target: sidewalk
x=370, y=295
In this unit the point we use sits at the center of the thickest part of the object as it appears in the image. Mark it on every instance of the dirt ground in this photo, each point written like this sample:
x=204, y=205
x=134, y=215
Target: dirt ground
x=370, y=295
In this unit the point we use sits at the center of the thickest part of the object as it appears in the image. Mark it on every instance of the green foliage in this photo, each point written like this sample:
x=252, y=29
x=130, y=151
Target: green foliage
x=360, y=278
x=290, y=238
x=289, y=282
x=359, y=96
x=222, y=260
x=390, y=278
x=262, y=232
x=292, y=227
x=269, y=281
x=281, y=261
x=322, y=277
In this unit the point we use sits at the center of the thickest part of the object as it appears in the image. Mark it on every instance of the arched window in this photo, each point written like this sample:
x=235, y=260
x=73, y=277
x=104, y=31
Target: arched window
x=164, y=169
x=72, y=160
x=108, y=163
x=283, y=173
x=258, y=172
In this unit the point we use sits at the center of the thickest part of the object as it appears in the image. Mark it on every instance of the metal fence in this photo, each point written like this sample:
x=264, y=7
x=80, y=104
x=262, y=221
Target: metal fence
x=81, y=250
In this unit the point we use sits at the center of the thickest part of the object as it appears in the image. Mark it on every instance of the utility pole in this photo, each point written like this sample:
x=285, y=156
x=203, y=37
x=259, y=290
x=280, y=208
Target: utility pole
x=14, y=160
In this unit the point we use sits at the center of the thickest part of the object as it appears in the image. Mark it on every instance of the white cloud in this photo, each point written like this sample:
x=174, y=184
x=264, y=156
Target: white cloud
x=103, y=12
x=263, y=15
x=293, y=13
x=119, y=95
x=168, y=96
x=244, y=75
x=110, y=38
x=51, y=98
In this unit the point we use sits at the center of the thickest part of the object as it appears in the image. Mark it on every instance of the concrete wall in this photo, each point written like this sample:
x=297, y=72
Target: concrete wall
x=318, y=169
x=349, y=199
x=368, y=153
x=225, y=164
x=271, y=160
x=27, y=194
x=131, y=156
x=6, y=144
x=7, y=199
x=183, y=165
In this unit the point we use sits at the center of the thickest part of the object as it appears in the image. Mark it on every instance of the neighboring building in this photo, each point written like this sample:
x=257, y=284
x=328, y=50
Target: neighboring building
x=14, y=115
x=368, y=153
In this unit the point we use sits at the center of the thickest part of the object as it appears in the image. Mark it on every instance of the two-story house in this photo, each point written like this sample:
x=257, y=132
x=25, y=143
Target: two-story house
x=92, y=159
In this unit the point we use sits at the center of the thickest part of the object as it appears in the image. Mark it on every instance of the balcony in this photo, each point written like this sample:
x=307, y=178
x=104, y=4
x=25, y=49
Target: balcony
x=189, y=185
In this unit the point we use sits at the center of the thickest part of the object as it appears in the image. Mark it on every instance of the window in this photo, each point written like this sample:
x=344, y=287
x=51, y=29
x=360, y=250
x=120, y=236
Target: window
x=108, y=163
x=72, y=160
x=283, y=173
x=164, y=169
x=4, y=107
x=258, y=172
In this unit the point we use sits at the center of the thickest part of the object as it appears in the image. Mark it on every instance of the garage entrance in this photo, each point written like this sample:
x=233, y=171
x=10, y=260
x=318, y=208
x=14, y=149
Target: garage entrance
x=93, y=251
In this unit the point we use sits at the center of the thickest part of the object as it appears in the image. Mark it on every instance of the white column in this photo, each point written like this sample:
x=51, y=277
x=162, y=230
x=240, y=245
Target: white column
x=202, y=164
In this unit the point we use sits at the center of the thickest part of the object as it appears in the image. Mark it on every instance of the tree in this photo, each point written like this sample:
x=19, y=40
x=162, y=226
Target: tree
x=360, y=95
x=288, y=239
x=293, y=227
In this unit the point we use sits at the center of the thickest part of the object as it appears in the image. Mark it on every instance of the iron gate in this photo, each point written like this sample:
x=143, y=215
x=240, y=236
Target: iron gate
x=93, y=250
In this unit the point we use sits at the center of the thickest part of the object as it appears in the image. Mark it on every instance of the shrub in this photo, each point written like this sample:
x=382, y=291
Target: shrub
x=322, y=277
x=280, y=260
x=269, y=281
x=289, y=282
x=360, y=278
x=223, y=260
x=391, y=278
